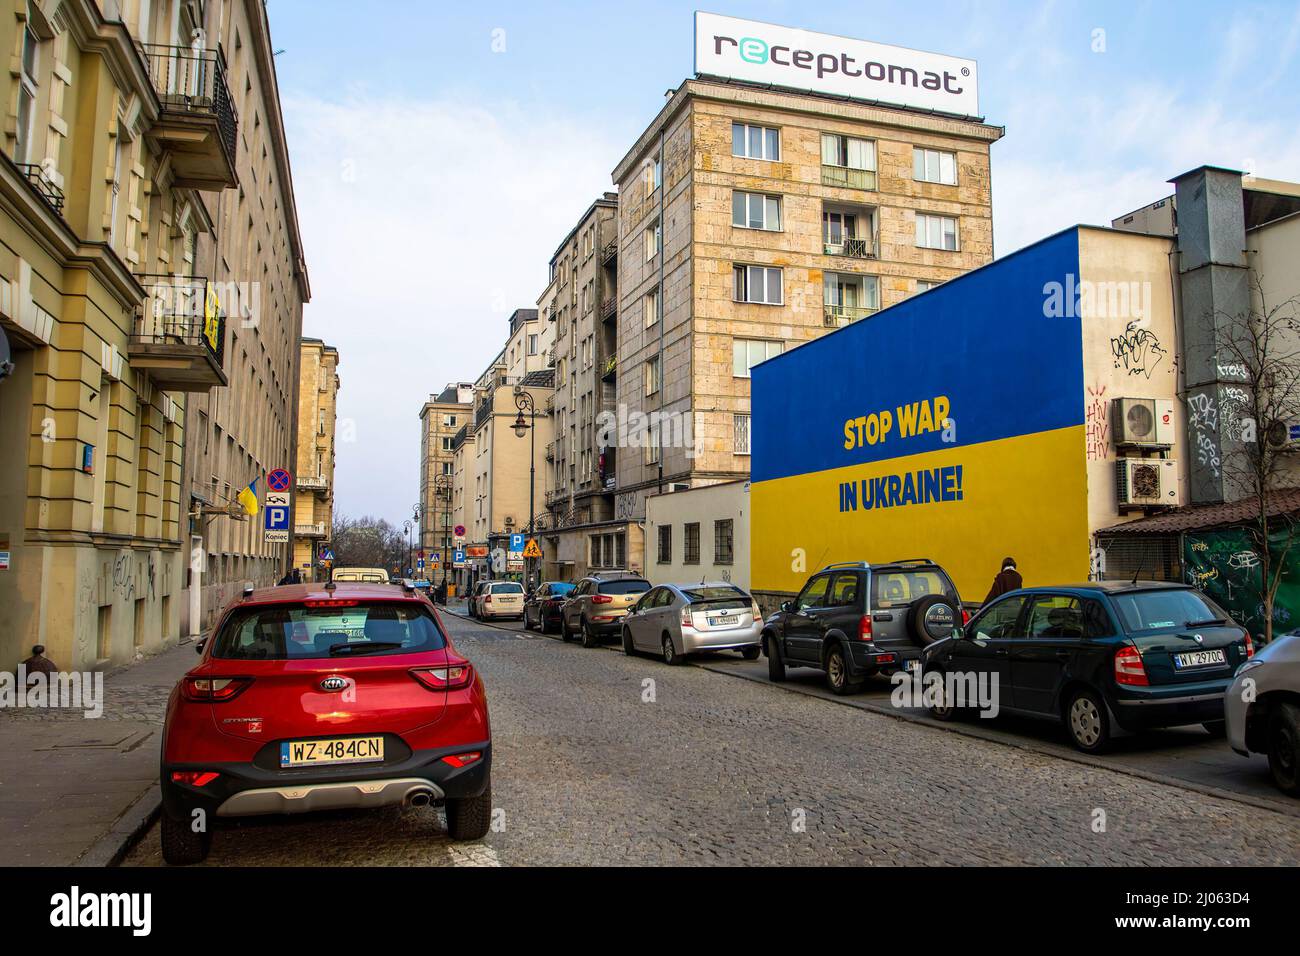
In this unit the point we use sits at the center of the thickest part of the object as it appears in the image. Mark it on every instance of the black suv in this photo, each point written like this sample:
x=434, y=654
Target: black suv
x=855, y=619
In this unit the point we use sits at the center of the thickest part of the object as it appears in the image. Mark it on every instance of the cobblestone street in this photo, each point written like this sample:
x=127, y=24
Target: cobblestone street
x=593, y=765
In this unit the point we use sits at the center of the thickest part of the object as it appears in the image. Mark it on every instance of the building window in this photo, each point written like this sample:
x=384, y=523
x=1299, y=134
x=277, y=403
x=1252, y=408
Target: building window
x=760, y=284
x=652, y=175
x=755, y=142
x=651, y=306
x=653, y=441
x=924, y=285
x=654, y=240
x=691, y=545
x=848, y=297
x=653, y=376
x=608, y=550
x=448, y=421
x=27, y=93
x=756, y=211
x=936, y=232
x=532, y=345
x=665, y=544
x=847, y=161
x=746, y=353
x=848, y=231
x=740, y=434
x=446, y=443
x=934, y=166
x=723, y=541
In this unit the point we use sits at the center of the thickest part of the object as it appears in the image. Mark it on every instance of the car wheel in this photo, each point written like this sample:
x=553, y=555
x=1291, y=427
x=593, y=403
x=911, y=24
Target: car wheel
x=470, y=818
x=628, y=649
x=542, y=627
x=1284, y=748
x=181, y=846
x=1216, y=728
x=670, y=655
x=528, y=625
x=946, y=709
x=565, y=634
x=837, y=672
x=1087, y=721
x=589, y=637
x=775, y=666
x=750, y=653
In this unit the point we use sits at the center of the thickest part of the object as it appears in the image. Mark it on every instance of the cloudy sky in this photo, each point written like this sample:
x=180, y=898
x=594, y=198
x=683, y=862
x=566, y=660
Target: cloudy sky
x=441, y=152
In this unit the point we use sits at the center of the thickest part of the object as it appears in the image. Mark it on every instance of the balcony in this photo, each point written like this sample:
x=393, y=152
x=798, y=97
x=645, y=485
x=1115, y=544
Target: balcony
x=835, y=316
x=610, y=369
x=609, y=250
x=179, y=336
x=848, y=178
x=197, y=124
x=316, y=530
x=45, y=187
x=851, y=247
x=609, y=308
x=312, y=483
x=550, y=451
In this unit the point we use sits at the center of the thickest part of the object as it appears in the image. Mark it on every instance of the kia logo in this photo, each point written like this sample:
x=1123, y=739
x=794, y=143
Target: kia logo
x=334, y=683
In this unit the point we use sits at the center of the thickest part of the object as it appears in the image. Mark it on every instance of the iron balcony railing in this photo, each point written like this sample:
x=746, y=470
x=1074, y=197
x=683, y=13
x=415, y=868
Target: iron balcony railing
x=609, y=307
x=611, y=367
x=44, y=186
x=176, y=311
x=853, y=248
x=848, y=178
x=193, y=81
x=609, y=250
x=834, y=316
x=312, y=482
x=314, y=530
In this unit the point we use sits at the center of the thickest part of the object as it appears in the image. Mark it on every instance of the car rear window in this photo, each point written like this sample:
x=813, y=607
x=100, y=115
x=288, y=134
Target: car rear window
x=626, y=586
x=560, y=587
x=1174, y=609
x=716, y=594
x=321, y=629
x=508, y=587
x=898, y=588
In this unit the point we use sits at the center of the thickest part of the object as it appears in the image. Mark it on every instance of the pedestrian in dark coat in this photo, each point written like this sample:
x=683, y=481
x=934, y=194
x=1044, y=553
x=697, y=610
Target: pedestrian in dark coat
x=1008, y=579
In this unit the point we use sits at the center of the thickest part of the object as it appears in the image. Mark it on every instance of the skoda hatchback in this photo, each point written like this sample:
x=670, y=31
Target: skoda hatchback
x=322, y=698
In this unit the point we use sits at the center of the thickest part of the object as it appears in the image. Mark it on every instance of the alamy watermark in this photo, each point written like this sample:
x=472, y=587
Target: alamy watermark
x=73, y=690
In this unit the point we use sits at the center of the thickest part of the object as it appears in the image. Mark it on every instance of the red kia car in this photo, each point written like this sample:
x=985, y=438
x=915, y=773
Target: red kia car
x=320, y=697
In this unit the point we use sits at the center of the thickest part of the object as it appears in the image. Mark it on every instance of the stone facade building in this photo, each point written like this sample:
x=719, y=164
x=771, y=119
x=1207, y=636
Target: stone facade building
x=441, y=418
x=751, y=220
x=313, y=500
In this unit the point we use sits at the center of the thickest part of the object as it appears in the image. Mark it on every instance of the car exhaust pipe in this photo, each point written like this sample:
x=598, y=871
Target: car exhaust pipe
x=419, y=798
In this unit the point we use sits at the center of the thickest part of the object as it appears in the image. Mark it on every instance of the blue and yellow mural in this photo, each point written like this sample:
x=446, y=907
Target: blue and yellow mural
x=950, y=426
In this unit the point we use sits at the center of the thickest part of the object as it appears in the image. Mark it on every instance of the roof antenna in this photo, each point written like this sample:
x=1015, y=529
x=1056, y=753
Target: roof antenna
x=1141, y=564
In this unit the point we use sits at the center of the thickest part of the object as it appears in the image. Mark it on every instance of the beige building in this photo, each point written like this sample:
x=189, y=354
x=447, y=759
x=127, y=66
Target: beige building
x=698, y=534
x=313, y=500
x=751, y=220
x=581, y=304
x=126, y=154
x=441, y=418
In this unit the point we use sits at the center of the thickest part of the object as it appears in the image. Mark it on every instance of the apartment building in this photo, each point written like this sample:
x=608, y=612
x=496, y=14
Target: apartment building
x=441, y=418
x=313, y=500
x=581, y=304
x=123, y=151
x=752, y=219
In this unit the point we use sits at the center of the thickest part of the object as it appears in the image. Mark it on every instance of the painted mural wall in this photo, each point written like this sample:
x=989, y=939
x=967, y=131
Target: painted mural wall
x=950, y=426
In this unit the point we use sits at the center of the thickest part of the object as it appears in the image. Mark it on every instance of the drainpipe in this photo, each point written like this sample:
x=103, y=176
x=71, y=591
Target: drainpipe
x=661, y=304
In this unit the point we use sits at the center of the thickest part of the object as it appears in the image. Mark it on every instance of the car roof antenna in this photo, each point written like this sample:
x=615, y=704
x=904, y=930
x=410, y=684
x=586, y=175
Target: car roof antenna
x=1141, y=564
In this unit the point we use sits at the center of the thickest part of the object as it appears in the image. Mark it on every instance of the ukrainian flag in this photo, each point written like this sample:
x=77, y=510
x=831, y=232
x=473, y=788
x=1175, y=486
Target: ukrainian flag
x=248, y=498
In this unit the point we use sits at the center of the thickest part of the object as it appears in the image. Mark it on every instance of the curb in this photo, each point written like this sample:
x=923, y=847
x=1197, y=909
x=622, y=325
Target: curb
x=126, y=831
x=1027, y=746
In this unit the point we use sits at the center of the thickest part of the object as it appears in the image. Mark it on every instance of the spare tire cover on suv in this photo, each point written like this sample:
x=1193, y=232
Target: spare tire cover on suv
x=931, y=619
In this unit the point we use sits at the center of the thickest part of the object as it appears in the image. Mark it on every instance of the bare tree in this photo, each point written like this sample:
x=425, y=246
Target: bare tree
x=368, y=542
x=1260, y=354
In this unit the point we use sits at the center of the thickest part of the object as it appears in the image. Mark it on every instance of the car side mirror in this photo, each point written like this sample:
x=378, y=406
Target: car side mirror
x=787, y=605
x=958, y=632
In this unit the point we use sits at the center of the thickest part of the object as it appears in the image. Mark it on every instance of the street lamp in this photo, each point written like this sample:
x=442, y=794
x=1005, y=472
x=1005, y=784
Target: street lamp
x=406, y=526
x=524, y=402
x=442, y=487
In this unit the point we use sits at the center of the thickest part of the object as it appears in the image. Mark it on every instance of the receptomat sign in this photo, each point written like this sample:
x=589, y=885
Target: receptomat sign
x=800, y=60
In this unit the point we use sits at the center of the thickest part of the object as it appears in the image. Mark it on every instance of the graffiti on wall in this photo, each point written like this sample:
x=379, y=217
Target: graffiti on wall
x=1096, y=413
x=1137, y=350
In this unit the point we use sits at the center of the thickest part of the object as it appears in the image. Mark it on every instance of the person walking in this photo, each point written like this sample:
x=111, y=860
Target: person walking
x=1008, y=579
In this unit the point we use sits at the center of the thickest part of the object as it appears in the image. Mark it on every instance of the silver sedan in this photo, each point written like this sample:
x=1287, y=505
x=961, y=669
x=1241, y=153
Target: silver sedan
x=673, y=620
x=1261, y=710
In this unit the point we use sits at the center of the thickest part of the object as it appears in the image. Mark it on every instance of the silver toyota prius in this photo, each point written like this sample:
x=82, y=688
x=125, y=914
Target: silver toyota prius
x=673, y=620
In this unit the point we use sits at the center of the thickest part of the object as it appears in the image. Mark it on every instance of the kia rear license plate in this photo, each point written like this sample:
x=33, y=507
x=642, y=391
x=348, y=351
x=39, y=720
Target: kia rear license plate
x=1199, y=659
x=312, y=753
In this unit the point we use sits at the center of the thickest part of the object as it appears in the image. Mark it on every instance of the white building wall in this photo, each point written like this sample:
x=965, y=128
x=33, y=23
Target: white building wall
x=704, y=506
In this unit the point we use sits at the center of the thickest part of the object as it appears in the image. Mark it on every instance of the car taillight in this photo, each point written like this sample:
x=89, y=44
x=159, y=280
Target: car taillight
x=1129, y=668
x=601, y=599
x=864, y=627
x=331, y=603
x=487, y=599
x=444, y=678
x=194, y=778
x=965, y=617
x=754, y=610
x=1250, y=646
x=213, y=690
x=688, y=619
x=460, y=760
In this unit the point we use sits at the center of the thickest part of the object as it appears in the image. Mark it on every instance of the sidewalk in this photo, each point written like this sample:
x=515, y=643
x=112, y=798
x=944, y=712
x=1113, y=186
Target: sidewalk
x=74, y=791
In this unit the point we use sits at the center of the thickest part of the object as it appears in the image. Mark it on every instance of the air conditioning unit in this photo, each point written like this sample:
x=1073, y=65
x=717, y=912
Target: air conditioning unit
x=1143, y=421
x=1146, y=482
